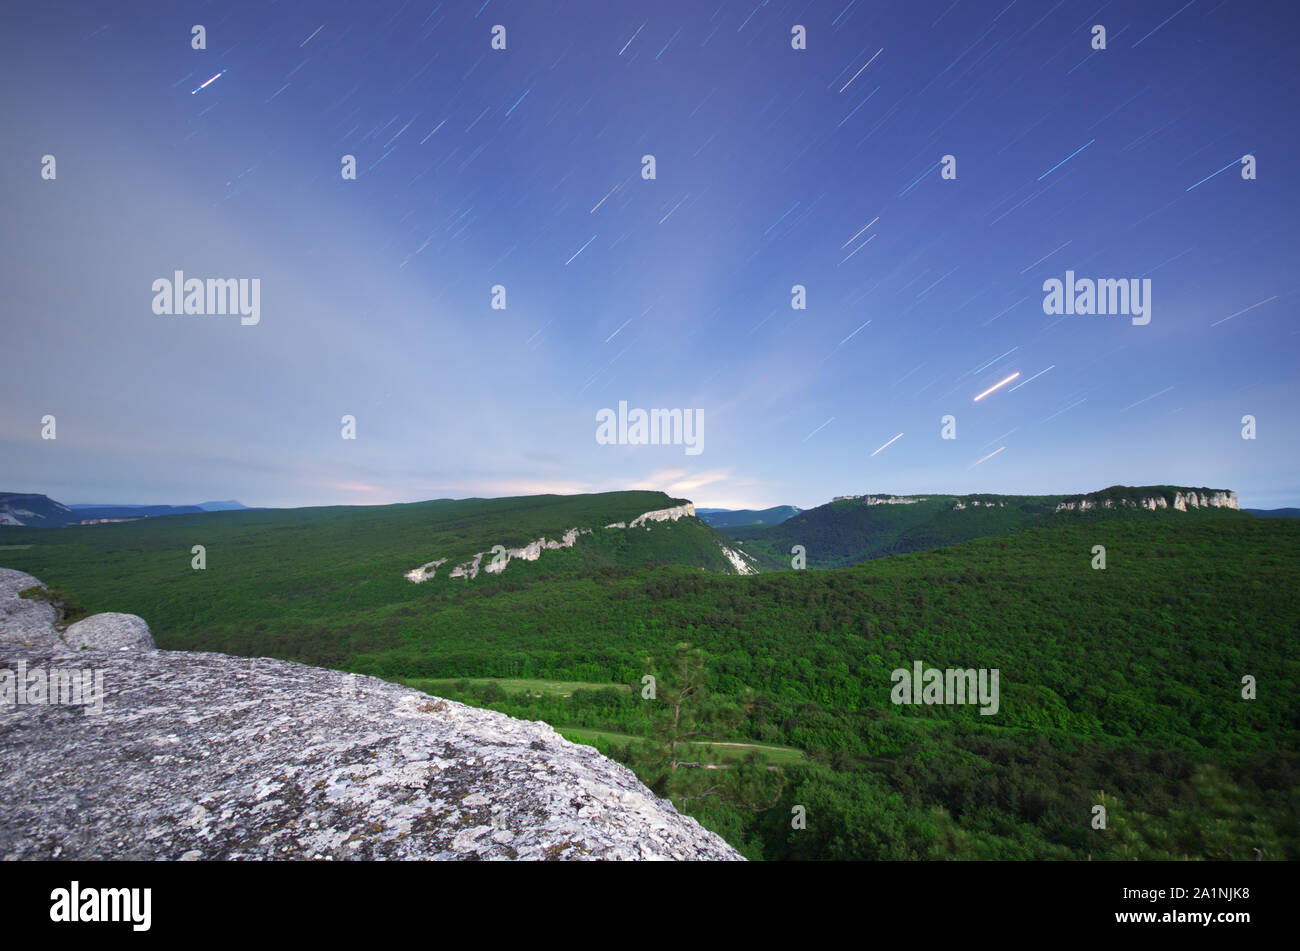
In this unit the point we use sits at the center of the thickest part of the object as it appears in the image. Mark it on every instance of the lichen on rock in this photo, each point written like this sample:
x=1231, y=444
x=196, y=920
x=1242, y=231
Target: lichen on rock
x=208, y=756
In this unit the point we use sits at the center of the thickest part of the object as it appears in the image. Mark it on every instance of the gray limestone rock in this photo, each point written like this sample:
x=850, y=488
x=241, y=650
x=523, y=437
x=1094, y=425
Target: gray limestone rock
x=109, y=632
x=187, y=756
x=23, y=620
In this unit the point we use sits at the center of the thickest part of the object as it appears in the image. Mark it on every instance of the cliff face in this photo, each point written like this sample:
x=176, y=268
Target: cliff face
x=206, y=756
x=1180, y=500
x=533, y=550
x=664, y=515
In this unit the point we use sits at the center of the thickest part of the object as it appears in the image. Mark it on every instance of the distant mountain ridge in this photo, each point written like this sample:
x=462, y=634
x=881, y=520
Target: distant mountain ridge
x=29, y=508
x=35, y=510
x=856, y=528
x=1274, y=513
x=228, y=506
x=730, y=518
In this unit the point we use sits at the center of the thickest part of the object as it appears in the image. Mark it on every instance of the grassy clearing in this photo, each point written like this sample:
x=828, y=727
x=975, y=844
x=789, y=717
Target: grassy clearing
x=729, y=752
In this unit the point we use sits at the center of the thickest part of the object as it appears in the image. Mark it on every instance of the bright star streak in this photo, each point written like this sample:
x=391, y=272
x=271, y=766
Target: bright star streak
x=625, y=323
x=209, y=82
x=890, y=443
x=580, y=250
x=1219, y=172
x=851, y=336
x=634, y=36
x=519, y=100
x=1031, y=379
x=985, y=459
x=602, y=201
x=1066, y=159
x=864, y=228
x=996, y=386
x=859, y=72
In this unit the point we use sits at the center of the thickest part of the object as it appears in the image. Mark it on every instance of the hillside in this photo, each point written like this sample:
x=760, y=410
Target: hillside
x=315, y=566
x=853, y=529
x=28, y=508
x=1125, y=682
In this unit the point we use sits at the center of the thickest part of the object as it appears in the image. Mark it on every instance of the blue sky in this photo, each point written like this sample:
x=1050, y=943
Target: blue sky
x=522, y=168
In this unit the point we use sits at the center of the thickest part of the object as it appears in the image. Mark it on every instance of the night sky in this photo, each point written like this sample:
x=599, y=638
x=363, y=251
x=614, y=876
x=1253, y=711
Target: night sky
x=522, y=168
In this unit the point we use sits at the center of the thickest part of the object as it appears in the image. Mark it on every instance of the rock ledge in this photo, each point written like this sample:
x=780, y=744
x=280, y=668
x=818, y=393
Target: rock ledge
x=208, y=756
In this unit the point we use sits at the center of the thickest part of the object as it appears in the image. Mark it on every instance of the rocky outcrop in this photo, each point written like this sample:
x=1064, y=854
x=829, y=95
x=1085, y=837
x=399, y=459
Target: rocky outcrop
x=533, y=550
x=32, y=622
x=214, y=757
x=663, y=515
x=469, y=569
x=1219, y=499
x=500, y=556
x=739, y=560
x=109, y=632
x=204, y=756
x=1182, y=501
x=425, y=571
x=23, y=620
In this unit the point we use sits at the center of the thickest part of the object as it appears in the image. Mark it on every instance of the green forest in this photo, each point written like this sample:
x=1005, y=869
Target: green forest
x=771, y=718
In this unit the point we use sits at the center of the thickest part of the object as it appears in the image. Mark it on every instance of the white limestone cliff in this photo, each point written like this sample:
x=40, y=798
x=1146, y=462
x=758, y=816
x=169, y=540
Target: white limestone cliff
x=533, y=550
x=739, y=561
x=1182, y=502
x=663, y=515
